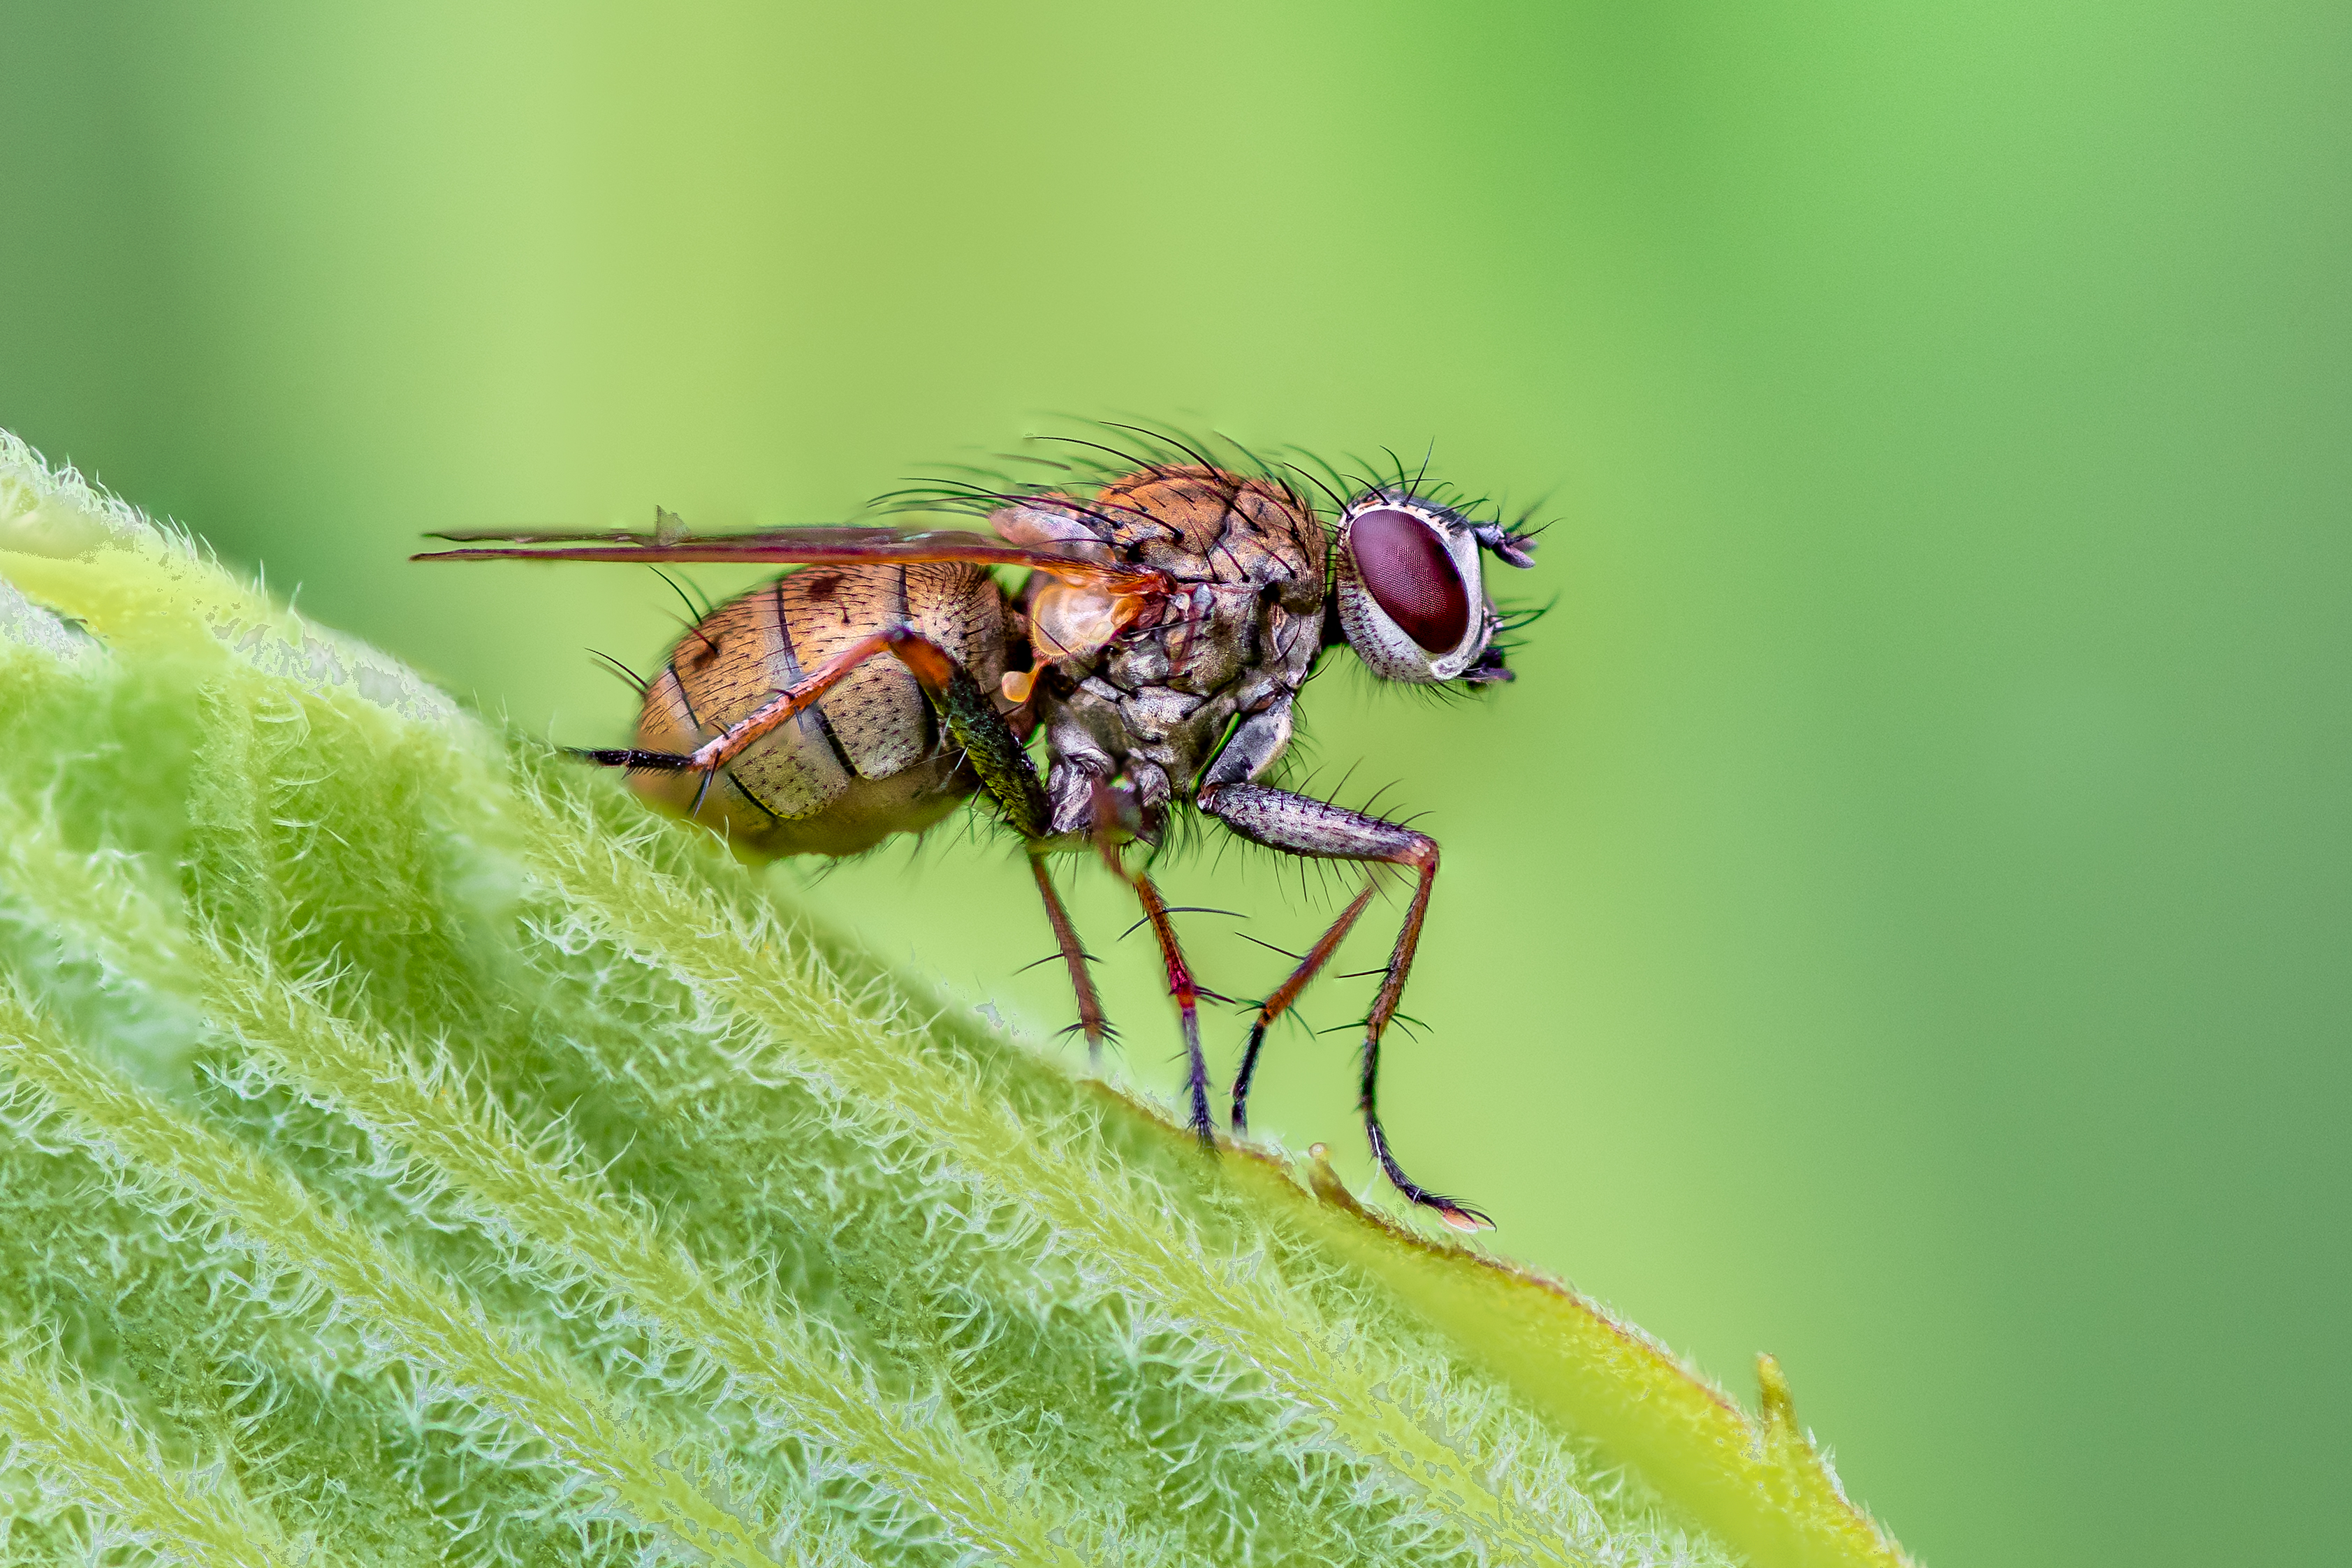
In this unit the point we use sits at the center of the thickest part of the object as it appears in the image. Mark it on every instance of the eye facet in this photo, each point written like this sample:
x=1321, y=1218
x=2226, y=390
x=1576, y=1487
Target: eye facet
x=1406, y=568
x=1407, y=590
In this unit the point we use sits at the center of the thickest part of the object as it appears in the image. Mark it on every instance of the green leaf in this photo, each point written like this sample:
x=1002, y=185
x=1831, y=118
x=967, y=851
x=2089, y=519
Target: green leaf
x=413, y=1151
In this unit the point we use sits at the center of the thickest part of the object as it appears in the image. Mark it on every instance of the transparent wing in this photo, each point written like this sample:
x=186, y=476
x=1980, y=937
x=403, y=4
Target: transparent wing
x=804, y=547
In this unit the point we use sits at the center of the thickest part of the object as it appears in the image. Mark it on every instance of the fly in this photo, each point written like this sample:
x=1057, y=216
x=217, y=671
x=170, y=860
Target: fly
x=1171, y=614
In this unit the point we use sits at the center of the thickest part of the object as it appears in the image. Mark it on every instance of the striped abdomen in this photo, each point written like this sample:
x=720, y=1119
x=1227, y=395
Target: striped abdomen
x=870, y=759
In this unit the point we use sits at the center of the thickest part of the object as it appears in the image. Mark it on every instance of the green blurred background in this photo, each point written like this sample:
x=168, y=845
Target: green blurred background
x=1898, y=917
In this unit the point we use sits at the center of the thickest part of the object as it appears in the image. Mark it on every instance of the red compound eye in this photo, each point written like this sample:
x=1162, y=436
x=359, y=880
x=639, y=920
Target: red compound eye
x=1404, y=565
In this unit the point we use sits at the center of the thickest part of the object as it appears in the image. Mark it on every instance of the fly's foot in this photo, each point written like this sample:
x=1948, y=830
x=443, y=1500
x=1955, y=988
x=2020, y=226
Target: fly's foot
x=1096, y=1036
x=1205, y=1131
x=1460, y=1215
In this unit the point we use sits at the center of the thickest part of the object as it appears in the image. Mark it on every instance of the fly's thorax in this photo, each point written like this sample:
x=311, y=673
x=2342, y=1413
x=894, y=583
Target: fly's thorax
x=1196, y=524
x=1147, y=707
x=1246, y=556
x=1151, y=707
x=1204, y=525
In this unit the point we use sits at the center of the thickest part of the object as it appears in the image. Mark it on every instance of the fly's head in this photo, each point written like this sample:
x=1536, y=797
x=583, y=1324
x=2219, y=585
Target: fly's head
x=1410, y=590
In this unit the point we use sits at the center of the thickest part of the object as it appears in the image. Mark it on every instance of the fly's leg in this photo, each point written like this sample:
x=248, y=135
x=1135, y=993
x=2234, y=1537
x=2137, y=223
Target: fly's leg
x=1303, y=826
x=1274, y=1006
x=1091, y=1021
x=1112, y=816
x=988, y=741
x=996, y=752
x=1011, y=779
x=1188, y=1001
x=779, y=710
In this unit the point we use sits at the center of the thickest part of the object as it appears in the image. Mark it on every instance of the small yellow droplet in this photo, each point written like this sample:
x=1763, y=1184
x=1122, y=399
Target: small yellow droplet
x=1015, y=685
x=1318, y=1151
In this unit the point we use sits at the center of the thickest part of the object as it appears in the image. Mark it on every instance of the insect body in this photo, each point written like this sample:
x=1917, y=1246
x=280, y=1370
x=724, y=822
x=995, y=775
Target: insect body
x=1169, y=618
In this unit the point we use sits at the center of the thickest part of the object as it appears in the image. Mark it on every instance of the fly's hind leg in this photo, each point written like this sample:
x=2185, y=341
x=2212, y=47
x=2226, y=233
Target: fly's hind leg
x=996, y=752
x=1300, y=825
x=1011, y=779
x=1004, y=768
x=1091, y=1021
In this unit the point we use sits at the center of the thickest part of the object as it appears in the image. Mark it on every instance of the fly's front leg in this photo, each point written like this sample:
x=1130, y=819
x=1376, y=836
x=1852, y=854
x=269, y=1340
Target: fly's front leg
x=1300, y=825
x=1274, y=1006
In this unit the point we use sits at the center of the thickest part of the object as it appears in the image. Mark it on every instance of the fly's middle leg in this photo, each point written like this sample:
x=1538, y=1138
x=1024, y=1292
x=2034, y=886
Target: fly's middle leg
x=1274, y=1006
x=1011, y=779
